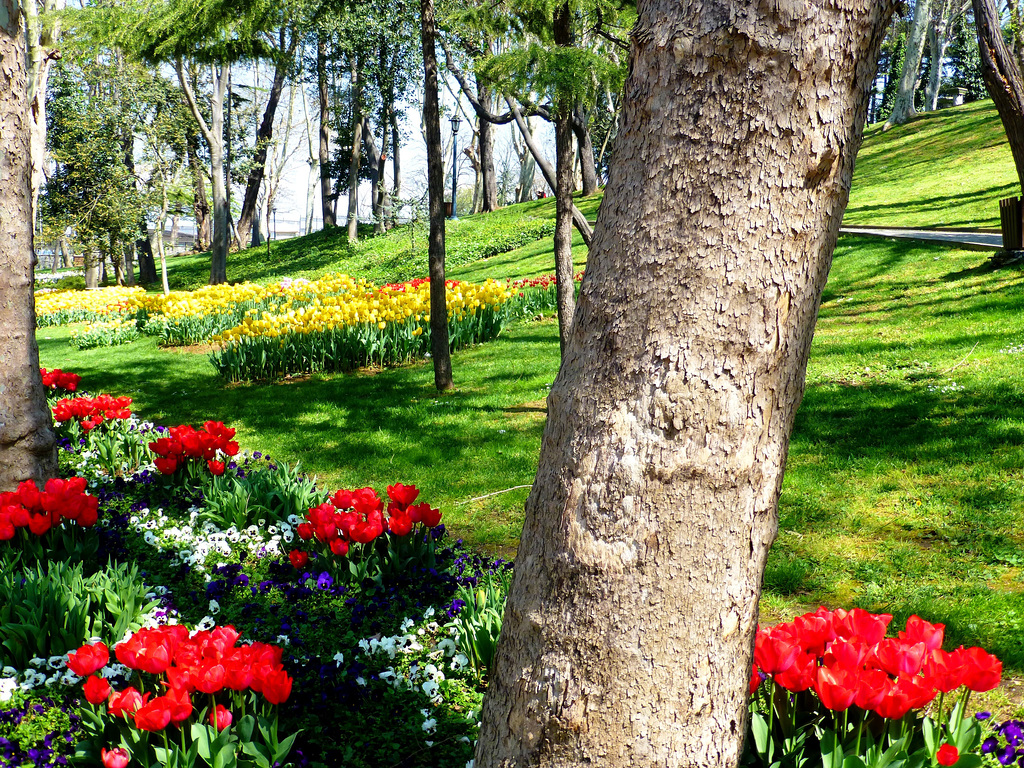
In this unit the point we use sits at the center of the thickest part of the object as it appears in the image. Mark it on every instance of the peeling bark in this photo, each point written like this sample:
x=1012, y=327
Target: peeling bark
x=629, y=629
x=28, y=449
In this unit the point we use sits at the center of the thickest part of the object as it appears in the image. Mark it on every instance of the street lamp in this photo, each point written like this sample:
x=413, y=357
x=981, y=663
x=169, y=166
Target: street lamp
x=455, y=121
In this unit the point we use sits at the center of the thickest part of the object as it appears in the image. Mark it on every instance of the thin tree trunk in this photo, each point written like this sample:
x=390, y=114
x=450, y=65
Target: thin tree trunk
x=903, y=108
x=326, y=199
x=200, y=202
x=264, y=135
x=565, y=290
x=376, y=162
x=42, y=51
x=629, y=630
x=27, y=443
x=588, y=166
x=578, y=219
x=488, y=179
x=527, y=171
x=439, y=343
x=396, y=164
x=1003, y=78
x=356, y=156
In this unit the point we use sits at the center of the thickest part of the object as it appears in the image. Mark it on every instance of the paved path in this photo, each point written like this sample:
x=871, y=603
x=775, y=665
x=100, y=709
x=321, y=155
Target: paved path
x=974, y=240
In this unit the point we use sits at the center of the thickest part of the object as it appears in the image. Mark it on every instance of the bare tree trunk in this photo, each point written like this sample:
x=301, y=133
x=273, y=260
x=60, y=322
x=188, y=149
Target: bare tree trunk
x=565, y=289
x=588, y=166
x=1003, y=78
x=264, y=135
x=201, y=204
x=356, y=156
x=488, y=181
x=903, y=107
x=439, y=343
x=629, y=630
x=578, y=219
x=326, y=199
x=375, y=160
x=214, y=135
x=396, y=164
x=27, y=444
x=42, y=51
x=527, y=170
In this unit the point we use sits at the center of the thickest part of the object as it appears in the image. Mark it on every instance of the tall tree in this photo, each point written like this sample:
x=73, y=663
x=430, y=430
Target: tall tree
x=629, y=628
x=945, y=15
x=439, y=345
x=27, y=444
x=1003, y=78
x=327, y=197
x=903, y=107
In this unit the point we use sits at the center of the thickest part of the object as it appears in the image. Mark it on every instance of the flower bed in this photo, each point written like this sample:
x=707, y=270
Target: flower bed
x=178, y=570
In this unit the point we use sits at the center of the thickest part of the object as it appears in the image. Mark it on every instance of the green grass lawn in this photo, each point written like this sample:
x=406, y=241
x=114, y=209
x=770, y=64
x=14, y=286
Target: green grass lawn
x=904, y=490
x=943, y=169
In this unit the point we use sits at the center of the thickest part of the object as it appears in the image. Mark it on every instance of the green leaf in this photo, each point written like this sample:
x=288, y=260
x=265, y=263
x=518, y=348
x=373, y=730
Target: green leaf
x=201, y=740
x=285, y=747
x=931, y=735
x=759, y=727
x=257, y=751
x=246, y=726
x=225, y=757
x=968, y=761
x=831, y=749
x=854, y=761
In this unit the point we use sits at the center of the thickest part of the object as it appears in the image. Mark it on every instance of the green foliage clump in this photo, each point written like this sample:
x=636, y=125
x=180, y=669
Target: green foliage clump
x=478, y=624
x=50, y=609
x=262, y=494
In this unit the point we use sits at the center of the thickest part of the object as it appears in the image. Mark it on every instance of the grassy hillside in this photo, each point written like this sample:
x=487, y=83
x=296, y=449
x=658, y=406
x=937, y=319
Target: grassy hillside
x=944, y=169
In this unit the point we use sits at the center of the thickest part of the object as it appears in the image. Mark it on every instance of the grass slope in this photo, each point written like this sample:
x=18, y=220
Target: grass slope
x=943, y=169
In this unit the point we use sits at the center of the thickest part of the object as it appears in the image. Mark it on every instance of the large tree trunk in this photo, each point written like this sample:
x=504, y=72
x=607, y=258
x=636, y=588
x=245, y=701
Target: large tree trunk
x=903, y=108
x=439, y=344
x=264, y=134
x=1003, y=78
x=488, y=180
x=27, y=444
x=629, y=630
x=326, y=198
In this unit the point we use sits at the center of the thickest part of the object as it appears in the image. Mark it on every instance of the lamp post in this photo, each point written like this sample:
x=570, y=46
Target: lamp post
x=455, y=121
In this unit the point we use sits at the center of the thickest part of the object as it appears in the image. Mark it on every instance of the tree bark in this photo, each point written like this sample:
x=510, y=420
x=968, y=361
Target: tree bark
x=629, y=630
x=439, y=345
x=396, y=164
x=903, y=108
x=264, y=135
x=1003, y=78
x=27, y=444
x=326, y=198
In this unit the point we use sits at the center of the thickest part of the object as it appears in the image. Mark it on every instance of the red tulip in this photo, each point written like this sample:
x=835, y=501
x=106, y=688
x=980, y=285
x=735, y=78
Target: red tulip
x=755, y=679
x=114, y=758
x=982, y=670
x=836, y=688
x=899, y=659
x=126, y=702
x=814, y=631
x=920, y=631
x=166, y=465
x=908, y=693
x=403, y=494
x=400, y=524
x=801, y=675
x=869, y=627
x=305, y=531
x=88, y=659
x=180, y=705
x=96, y=690
x=339, y=547
x=209, y=678
x=947, y=755
x=944, y=670
x=216, y=467
x=846, y=653
x=154, y=716
x=873, y=685
x=298, y=559
x=277, y=686
x=775, y=652
x=220, y=718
